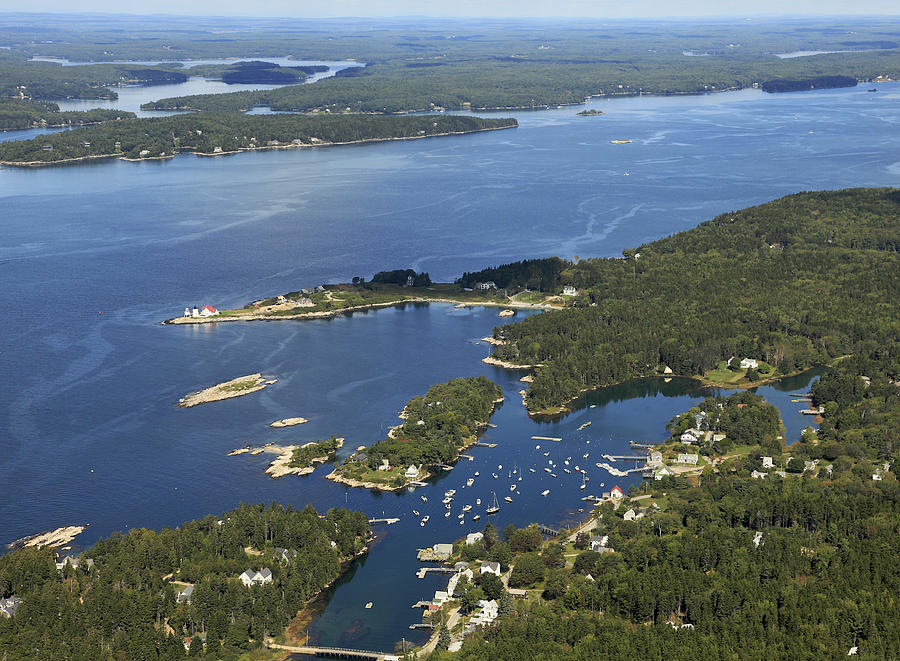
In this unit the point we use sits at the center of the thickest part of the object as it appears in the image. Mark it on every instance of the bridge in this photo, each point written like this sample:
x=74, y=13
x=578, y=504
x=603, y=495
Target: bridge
x=329, y=652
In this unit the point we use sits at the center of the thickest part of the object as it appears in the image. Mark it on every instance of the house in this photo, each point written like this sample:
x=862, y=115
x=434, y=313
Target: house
x=285, y=555
x=474, y=537
x=690, y=436
x=569, y=290
x=617, y=493
x=809, y=466
x=780, y=473
x=757, y=539
x=718, y=437
x=700, y=420
x=656, y=457
x=598, y=542
x=75, y=562
x=629, y=515
x=412, y=472
x=684, y=458
x=484, y=286
x=208, y=311
x=749, y=363
x=250, y=577
x=9, y=606
x=877, y=477
x=487, y=613
x=442, y=551
x=490, y=568
x=281, y=299
x=304, y=302
x=185, y=595
x=767, y=462
x=661, y=472
x=440, y=598
x=385, y=465
x=758, y=475
x=187, y=312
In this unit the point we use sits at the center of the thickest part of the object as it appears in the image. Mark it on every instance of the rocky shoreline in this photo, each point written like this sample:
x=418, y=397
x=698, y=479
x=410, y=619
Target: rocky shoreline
x=242, y=385
x=57, y=537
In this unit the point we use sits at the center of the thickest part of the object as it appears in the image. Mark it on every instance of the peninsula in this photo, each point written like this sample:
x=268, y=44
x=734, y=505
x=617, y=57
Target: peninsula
x=220, y=133
x=243, y=385
x=436, y=428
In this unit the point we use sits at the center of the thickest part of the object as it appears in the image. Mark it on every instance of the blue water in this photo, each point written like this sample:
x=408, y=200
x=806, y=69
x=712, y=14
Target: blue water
x=137, y=242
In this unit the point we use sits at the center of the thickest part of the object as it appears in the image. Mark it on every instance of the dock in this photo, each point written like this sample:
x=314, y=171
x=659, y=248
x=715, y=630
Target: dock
x=422, y=604
x=818, y=411
x=418, y=483
x=438, y=570
x=546, y=438
x=547, y=530
x=645, y=446
x=613, y=457
x=422, y=625
x=388, y=521
x=479, y=444
x=329, y=652
x=467, y=456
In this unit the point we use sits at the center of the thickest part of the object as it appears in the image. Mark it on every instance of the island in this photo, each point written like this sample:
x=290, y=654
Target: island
x=288, y=422
x=436, y=428
x=221, y=133
x=242, y=385
x=590, y=112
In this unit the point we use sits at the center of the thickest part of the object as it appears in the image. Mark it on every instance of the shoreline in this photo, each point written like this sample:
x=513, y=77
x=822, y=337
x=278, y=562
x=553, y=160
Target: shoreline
x=238, y=387
x=78, y=159
x=325, y=314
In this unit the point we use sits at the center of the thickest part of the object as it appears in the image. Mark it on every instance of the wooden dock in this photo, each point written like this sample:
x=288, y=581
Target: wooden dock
x=438, y=570
x=422, y=625
x=613, y=457
x=546, y=438
x=329, y=652
x=388, y=521
x=479, y=444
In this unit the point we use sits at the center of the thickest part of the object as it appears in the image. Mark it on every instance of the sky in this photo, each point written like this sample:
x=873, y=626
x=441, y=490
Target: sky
x=466, y=8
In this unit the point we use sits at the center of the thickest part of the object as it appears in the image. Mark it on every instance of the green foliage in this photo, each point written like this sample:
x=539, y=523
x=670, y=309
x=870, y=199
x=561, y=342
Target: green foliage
x=528, y=570
x=304, y=455
x=816, y=82
x=795, y=282
x=22, y=114
x=543, y=275
x=208, y=133
x=116, y=610
x=401, y=277
x=744, y=417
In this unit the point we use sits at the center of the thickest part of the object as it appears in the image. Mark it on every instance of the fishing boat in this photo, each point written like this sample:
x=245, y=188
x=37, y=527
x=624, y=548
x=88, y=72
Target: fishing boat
x=508, y=499
x=461, y=522
x=494, y=475
x=447, y=500
x=512, y=487
x=545, y=492
x=425, y=518
x=493, y=509
x=466, y=508
x=461, y=516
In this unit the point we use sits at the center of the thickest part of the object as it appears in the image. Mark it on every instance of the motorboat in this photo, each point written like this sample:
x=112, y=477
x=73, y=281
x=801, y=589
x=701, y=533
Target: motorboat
x=545, y=492
x=508, y=499
x=466, y=508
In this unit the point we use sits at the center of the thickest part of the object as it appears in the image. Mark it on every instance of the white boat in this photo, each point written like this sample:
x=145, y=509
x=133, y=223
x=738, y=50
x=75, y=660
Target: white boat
x=566, y=462
x=461, y=516
x=447, y=500
x=546, y=454
x=520, y=478
x=415, y=512
x=545, y=492
x=470, y=482
x=567, y=470
x=450, y=493
x=585, y=455
x=508, y=499
x=532, y=470
x=424, y=499
x=512, y=487
x=447, y=515
x=499, y=467
x=477, y=473
x=466, y=508
x=494, y=475
x=577, y=468
x=548, y=470
x=537, y=447
x=583, y=482
x=553, y=475
x=478, y=501
x=493, y=509
x=476, y=517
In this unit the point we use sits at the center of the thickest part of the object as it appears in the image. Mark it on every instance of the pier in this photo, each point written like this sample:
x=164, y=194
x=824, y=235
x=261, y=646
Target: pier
x=467, y=456
x=422, y=625
x=645, y=446
x=613, y=457
x=479, y=444
x=388, y=521
x=438, y=570
x=546, y=438
x=547, y=530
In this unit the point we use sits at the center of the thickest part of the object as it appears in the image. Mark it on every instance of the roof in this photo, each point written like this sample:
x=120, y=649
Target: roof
x=208, y=308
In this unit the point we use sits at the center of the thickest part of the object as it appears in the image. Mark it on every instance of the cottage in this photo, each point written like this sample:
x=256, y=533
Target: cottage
x=474, y=537
x=757, y=539
x=700, y=420
x=629, y=515
x=569, y=290
x=758, y=475
x=749, y=363
x=385, y=465
x=718, y=437
x=598, y=542
x=490, y=568
x=285, y=555
x=185, y=595
x=661, y=472
x=442, y=551
x=440, y=598
x=809, y=466
x=767, y=462
x=208, y=311
x=304, y=302
x=684, y=458
x=412, y=472
x=281, y=299
x=617, y=493
x=656, y=457
x=485, y=286
x=690, y=436
x=9, y=606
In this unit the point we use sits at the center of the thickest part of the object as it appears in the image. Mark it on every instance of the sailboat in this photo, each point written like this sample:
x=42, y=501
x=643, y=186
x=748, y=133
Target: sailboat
x=583, y=485
x=493, y=509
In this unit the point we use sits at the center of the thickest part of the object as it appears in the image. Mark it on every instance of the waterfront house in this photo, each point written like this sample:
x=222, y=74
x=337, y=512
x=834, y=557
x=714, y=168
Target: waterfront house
x=187, y=312
x=281, y=299
x=9, y=606
x=490, y=567
x=474, y=537
x=700, y=420
x=208, y=311
x=185, y=595
x=685, y=458
x=442, y=551
x=440, y=597
x=385, y=465
x=569, y=290
x=749, y=363
x=690, y=436
x=661, y=472
x=304, y=302
x=412, y=472
x=616, y=492
x=656, y=457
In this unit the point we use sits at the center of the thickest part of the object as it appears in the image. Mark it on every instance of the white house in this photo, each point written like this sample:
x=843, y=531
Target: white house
x=629, y=515
x=484, y=286
x=185, y=595
x=9, y=606
x=440, y=597
x=442, y=551
x=690, y=436
x=748, y=363
x=718, y=437
x=684, y=458
x=598, y=542
x=656, y=457
x=767, y=462
x=758, y=475
x=385, y=465
x=474, y=537
x=490, y=568
x=617, y=493
x=661, y=472
x=208, y=311
x=412, y=472
x=569, y=290
x=250, y=577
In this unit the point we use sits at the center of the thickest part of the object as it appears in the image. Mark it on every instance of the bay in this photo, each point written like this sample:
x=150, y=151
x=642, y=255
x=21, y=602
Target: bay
x=93, y=256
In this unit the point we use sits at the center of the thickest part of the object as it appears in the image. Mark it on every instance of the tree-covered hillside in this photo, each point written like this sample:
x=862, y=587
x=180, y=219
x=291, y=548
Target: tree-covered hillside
x=795, y=282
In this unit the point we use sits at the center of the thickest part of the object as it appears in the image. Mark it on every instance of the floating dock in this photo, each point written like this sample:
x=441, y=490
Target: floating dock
x=546, y=438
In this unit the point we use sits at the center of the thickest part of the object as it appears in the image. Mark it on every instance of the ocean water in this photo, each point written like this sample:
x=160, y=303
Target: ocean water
x=93, y=256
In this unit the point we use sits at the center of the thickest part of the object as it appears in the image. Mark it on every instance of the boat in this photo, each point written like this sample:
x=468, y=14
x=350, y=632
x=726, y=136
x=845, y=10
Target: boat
x=577, y=469
x=450, y=493
x=545, y=492
x=520, y=478
x=548, y=470
x=537, y=447
x=466, y=508
x=369, y=605
x=461, y=522
x=584, y=456
x=493, y=509
x=583, y=482
x=494, y=475
x=566, y=462
x=447, y=500
x=553, y=475
x=532, y=470
x=477, y=473
x=620, y=142
x=592, y=406
x=508, y=499
x=476, y=517
x=470, y=482
x=874, y=89
x=478, y=501
x=512, y=487
x=461, y=516
x=499, y=467
x=447, y=515
x=567, y=470
x=546, y=454
x=415, y=512
x=424, y=499
x=586, y=424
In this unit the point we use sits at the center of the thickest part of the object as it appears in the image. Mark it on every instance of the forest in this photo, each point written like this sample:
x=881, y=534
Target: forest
x=796, y=282
x=211, y=133
x=21, y=114
x=727, y=566
x=435, y=427
x=125, y=605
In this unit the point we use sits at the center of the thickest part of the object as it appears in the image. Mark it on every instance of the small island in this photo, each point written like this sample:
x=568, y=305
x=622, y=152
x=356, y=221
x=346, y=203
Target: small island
x=288, y=422
x=295, y=459
x=243, y=385
x=590, y=112
x=436, y=428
